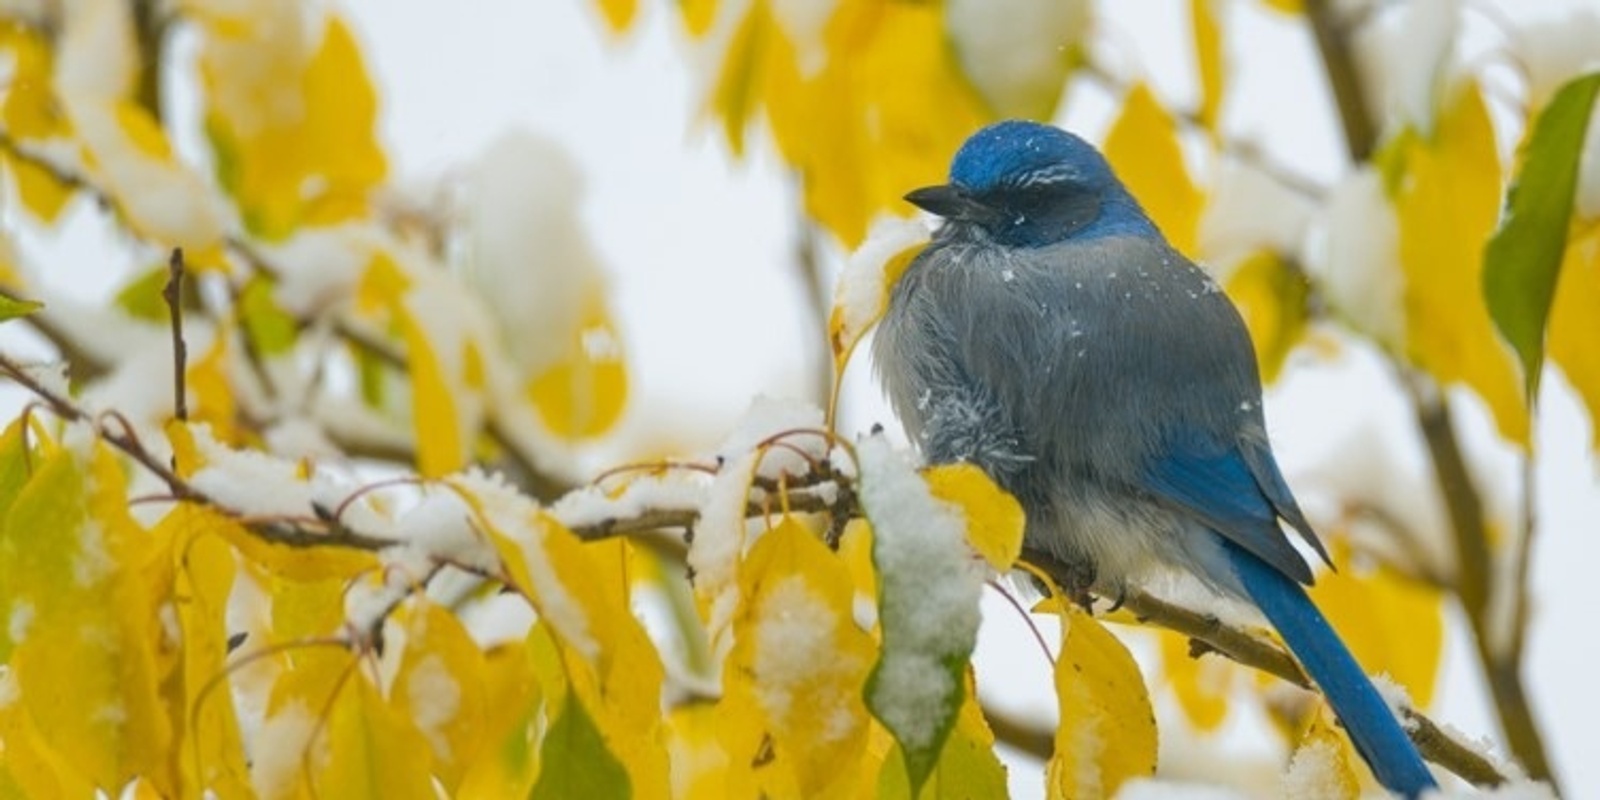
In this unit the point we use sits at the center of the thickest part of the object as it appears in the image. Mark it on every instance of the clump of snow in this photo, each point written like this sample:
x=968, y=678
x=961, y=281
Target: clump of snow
x=1316, y=771
x=249, y=482
x=863, y=289
x=1250, y=211
x=525, y=252
x=1017, y=52
x=9, y=691
x=794, y=651
x=929, y=587
x=719, y=540
x=161, y=198
x=513, y=515
x=92, y=562
x=95, y=54
x=1554, y=50
x=20, y=620
x=1407, y=58
x=1357, y=259
x=318, y=268
x=768, y=417
x=668, y=490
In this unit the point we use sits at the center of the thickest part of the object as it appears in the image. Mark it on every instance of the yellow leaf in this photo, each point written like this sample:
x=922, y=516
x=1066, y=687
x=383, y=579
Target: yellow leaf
x=41, y=194
x=441, y=444
x=1107, y=733
x=613, y=668
x=801, y=659
x=882, y=113
x=619, y=14
x=1202, y=685
x=583, y=395
x=995, y=520
x=1406, y=641
x=1577, y=306
x=292, y=122
x=699, y=764
x=211, y=748
x=697, y=15
x=503, y=763
x=1272, y=297
x=1143, y=148
x=1209, y=58
x=440, y=687
x=1447, y=203
x=372, y=749
x=1287, y=6
x=83, y=622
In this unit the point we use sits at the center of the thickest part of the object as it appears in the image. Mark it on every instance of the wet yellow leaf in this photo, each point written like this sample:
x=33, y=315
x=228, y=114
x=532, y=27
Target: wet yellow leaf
x=1107, y=733
x=1447, y=203
x=1143, y=148
x=441, y=444
x=995, y=520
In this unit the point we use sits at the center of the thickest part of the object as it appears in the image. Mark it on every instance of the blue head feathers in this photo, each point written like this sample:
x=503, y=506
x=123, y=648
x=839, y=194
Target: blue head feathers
x=1023, y=184
x=1017, y=153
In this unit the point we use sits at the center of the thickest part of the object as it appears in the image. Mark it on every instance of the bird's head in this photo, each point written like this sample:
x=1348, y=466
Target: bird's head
x=1026, y=184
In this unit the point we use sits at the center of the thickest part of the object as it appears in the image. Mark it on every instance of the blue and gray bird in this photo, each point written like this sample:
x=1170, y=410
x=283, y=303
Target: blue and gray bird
x=1051, y=336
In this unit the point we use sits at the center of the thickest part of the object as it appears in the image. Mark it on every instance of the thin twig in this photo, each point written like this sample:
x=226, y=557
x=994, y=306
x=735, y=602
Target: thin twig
x=173, y=294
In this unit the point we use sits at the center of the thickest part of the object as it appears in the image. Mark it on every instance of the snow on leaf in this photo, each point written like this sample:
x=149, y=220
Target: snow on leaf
x=929, y=585
x=1447, y=204
x=1107, y=733
x=1143, y=148
x=800, y=657
x=1321, y=766
x=862, y=294
x=994, y=519
x=503, y=763
x=440, y=686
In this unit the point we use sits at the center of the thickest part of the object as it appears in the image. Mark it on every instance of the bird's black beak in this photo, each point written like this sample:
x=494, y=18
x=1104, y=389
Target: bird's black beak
x=953, y=203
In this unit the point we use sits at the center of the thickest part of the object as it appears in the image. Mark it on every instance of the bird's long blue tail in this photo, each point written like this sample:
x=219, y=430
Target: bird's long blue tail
x=1371, y=725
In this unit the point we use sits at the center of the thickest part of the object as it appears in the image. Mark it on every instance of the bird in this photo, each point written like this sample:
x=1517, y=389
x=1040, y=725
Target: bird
x=1050, y=335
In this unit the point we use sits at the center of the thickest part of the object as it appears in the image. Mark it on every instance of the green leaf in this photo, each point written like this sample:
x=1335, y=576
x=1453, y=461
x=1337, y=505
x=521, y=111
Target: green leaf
x=271, y=329
x=12, y=307
x=141, y=297
x=1523, y=261
x=574, y=760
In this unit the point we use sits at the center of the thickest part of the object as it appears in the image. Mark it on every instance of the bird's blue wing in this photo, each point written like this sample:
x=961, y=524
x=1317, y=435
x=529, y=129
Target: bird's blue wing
x=1216, y=483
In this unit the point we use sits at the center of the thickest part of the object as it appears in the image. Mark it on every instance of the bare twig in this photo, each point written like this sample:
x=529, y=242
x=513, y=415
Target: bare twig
x=173, y=294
